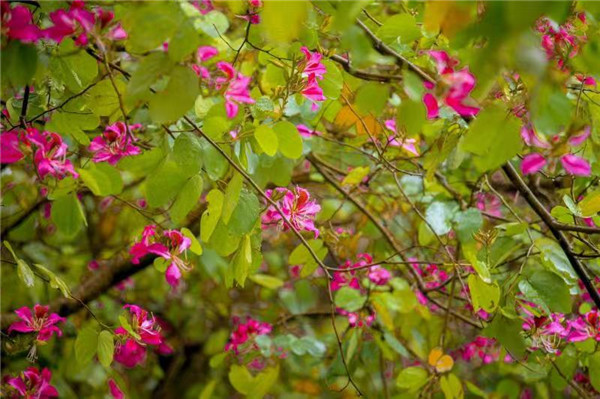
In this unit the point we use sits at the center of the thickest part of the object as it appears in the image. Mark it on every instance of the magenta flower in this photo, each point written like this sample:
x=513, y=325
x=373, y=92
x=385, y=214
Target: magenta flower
x=405, y=143
x=237, y=89
x=307, y=132
x=50, y=157
x=312, y=69
x=130, y=350
x=243, y=332
x=379, y=275
x=114, y=144
x=489, y=203
x=575, y=165
x=532, y=163
x=585, y=327
x=174, y=245
x=456, y=86
x=484, y=348
x=204, y=6
x=296, y=205
x=348, y=278
x=41, y=322
x=205, y=53
x=77, y=22
x=17, y=23
x=30, y=384
x=313, y=92
x=114, y=390
x=561, y=42
x=9, y=147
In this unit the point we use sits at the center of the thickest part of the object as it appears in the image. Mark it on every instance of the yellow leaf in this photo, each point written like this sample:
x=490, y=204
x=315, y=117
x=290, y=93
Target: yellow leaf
x=441, y=362
x=590, y=205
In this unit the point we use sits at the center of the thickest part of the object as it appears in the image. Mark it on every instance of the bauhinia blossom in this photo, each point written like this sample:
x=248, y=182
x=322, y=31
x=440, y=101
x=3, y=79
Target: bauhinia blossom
x=172, y=245
x=41, y=321
x=9, y=147
x=573, y=164
x=347, y=278
x=17, y=23
x=307, y=132
x=312, y=69
x=244, y=332
x=77, y=22
x=357, y=319
x=131, y=346
x=114, y=144
x=114, y=390
x=562, y=42
x=237, y=88
x=378, y=275
x=296, y=205
x=454, y=88
x=50, y=157
x=30, y=384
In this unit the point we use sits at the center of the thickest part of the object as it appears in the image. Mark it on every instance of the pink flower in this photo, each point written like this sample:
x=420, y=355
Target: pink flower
x=489, y=203
x=9, y=147
x=579, y=138
x=575, y=165
x=584, y=327
x=174, y=245
x=531, y=138
x=130, y=350
x=457, y=87
x=204, y=6
x=17, y=23
x=313, y=92
x=30, y=384
x=114, y=389
x=312, y=64
x=561, y=42
x=307, y=132
x=586, y=80
x=50, y=157
x=296, y=206
x=532, y=163
x=77, y=23
x=348, y=278
x=379, y=275
x=406, y=143
x=237, y=90
x=205, y=53
x=114, y=144
x=117, y=33
x=41, y=322
x=356, y=320
x=484, y=348
x=243, y=332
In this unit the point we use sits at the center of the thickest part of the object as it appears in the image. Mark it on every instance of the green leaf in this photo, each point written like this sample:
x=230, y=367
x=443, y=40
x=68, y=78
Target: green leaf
x=451, y=387
x=439, y=215
x=55, y=281
x=102, y=179
x=371, y=98
x=401, y=28
x=355, y=176
x=508, y=333
x=86, y=345
x=242, y=261
x=590, y=205
x=290, y=142
x=164, y=184
x=178, y=98
x=67, y=215
x=102, y=98
x=125, y=324
x=554, y=259
x=349, y=299
x=76, y=69
x=232, y=196
x=411, y=379
x=211, y=216
x=106, y=348
x=267, y=139
x=186, y=199
x=267, y=281
x=485, y=296
x=550, y=110
x=74, y=122
x=148, y=71
x=25, y=273
x=281, y=21
x=594, y=368
x=411, y=115
x=149, y=25
x=468, y=223
x=195, y=246
x=187, y=152
x=245, y=214
x=547, y=289
x=333, y=80
x=413, y=85
x=494, y=137
x=185, y=41
x=19, y=62
x=253, y=386
x=214, y=23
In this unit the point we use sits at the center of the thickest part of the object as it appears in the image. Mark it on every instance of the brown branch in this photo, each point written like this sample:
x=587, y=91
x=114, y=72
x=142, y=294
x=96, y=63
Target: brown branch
x=362, y=74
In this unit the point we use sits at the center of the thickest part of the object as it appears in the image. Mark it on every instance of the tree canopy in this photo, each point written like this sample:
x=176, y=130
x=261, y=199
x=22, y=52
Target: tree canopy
x=293, y=199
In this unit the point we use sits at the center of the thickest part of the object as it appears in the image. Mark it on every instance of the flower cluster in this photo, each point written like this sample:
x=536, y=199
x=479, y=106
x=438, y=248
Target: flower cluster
x=132, y=342
x=489, y=203
x=358, y=319
x=252, y=16
x=76, y=22
x=559, y=144
x=562, y=42
x=50, y=155
x=376, y=274
x=31, y=383
x=297, y=207
x=244, y=332
x=454, y=87
x=486, y=349
x=170, y=248
x=41, y=321
x=114, y=143
x=313, y=70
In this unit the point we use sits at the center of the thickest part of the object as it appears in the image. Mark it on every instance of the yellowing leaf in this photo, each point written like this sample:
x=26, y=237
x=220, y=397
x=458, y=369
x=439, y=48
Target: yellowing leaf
x=355, y=176
x=441, y=362
x=590, y=205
